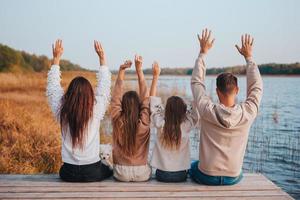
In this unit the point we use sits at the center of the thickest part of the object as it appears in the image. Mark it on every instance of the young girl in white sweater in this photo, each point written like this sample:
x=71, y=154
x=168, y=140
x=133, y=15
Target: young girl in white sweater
x=171, y=153
x=79, y=112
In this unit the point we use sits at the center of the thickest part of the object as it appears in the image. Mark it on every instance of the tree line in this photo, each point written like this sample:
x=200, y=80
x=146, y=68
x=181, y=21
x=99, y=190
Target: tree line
x=265, y=69
x=12, y=60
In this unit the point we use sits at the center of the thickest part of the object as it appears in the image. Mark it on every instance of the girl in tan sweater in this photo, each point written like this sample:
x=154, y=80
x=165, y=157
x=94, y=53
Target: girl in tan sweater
x=131, y=133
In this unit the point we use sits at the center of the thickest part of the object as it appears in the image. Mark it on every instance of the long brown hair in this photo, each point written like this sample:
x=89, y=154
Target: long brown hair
x=77, y=109
x=125, y=125
x=175, y=114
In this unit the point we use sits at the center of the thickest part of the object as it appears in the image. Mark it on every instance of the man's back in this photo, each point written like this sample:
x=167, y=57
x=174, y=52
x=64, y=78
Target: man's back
x=224, y=129
x=223, y=140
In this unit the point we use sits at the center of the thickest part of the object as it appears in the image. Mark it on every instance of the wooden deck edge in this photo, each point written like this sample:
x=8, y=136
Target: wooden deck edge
x=49, y=186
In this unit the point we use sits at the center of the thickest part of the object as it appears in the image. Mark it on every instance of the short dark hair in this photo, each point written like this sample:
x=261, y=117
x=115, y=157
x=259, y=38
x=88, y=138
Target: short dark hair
x=226, y=82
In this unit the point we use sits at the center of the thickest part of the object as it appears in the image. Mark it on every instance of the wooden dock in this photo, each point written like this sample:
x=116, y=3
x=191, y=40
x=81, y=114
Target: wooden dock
x=253, y=186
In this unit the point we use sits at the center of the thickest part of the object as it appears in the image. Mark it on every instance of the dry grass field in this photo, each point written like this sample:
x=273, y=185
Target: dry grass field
x=29, y=135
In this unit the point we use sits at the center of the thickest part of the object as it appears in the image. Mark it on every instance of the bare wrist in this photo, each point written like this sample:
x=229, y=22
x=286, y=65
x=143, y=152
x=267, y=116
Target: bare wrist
x=202, y=51
x=121, y=74
x=55, y=61
x=247, y=56
x=102, y=61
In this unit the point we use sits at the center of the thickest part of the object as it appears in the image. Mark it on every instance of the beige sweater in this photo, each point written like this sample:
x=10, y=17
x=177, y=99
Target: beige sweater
x=143, y=128
x=224, y=130
x=166, y=159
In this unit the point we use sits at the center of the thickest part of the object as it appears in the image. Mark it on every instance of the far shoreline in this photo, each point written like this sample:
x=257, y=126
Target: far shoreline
x=215, y=75
x=132, y=75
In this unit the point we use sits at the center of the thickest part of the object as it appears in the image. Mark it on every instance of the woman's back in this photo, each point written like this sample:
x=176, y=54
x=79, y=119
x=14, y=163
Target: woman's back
x=89, y=153
x=79, y=111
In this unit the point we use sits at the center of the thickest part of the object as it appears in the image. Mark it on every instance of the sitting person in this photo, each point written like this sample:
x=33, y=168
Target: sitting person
x=171, y=153
x=224, y=126
x=131, y=127
x=79, y=112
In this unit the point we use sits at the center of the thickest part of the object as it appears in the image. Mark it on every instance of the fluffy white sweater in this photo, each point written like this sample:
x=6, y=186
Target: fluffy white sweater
x=90, y=152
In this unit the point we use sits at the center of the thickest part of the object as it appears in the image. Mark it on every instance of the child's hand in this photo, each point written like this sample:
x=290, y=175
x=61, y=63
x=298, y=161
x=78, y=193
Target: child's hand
x=125, y=65
x=155, y=69
x=138, y=60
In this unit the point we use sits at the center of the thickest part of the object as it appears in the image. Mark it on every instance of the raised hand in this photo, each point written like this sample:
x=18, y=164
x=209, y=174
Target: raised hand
x=155, y=73
x=125, y=65
x=57, y=51
x=155, y=69
x=138, y=60
x=100, y=51
x=205, y=41
x=246, y=49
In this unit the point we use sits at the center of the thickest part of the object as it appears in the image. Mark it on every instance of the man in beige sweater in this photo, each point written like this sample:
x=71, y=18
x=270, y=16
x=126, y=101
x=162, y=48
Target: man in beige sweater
x=225, y=125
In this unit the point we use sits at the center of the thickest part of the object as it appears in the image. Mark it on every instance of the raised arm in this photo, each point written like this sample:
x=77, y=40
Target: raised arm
x=141, y=78
x=254, y=80
x=198, y=75
x=156, y=106
x=155, y=73
x=102, y=93
x=118, y=90
x=144, y=115
x=54, y=91
x=192, y=115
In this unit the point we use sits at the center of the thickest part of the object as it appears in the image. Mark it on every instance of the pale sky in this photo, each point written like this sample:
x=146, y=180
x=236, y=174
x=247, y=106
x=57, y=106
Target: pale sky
x=162, y=30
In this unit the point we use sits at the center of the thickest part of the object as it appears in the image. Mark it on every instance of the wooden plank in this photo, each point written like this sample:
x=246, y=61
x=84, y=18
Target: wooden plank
x=153, y=185
x=244, y=183
x=175, y=198
x=32, y=180
x=253, y=186
x=55, y=177
x=144, y=194
x=117, y=188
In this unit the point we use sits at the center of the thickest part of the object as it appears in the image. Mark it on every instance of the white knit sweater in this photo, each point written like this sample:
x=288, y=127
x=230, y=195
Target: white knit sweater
x=90, y=152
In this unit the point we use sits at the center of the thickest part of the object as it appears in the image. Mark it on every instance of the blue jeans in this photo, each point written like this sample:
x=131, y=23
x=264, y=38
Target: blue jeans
x=202, y=178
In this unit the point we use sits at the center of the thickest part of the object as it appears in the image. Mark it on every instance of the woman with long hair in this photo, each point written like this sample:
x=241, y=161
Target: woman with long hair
x=79, y=111
x=171, y=152
x=131, y=133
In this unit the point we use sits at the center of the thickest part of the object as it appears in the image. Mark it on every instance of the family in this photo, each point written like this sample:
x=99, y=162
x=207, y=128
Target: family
x=224, y=126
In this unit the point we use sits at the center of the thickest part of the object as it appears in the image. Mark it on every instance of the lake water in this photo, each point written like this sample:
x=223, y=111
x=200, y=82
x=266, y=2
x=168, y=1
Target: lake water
x=274, y=140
